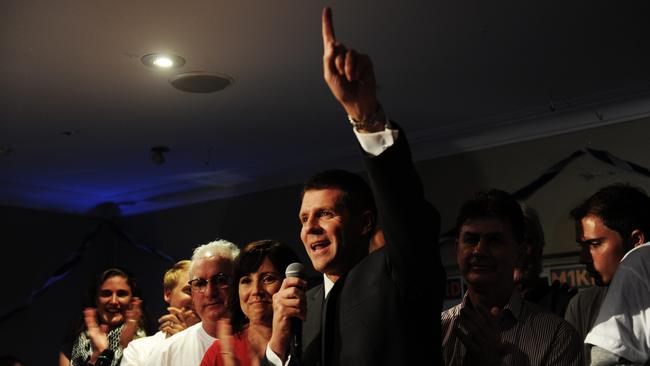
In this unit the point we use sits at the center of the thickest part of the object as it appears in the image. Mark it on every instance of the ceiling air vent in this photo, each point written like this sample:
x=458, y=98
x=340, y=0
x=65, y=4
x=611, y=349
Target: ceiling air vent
x=201, y=82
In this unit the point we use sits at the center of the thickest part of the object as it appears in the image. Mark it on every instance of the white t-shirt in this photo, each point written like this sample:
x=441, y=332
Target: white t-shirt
x=183, y=348
x=138, y=350
x=623, y=323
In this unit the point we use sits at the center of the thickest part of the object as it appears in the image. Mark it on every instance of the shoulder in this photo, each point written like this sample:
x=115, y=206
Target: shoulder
x=139, y=349
x=166, y=350
x=641, y=251
x=448, y=317
x=181, y=337
x=145, y=342
x=586, y=296
x=541, y=320
x=450, y=313
x=637, y=259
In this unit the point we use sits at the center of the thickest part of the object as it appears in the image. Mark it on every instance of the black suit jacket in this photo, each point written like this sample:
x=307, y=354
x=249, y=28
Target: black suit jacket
x=388, y=310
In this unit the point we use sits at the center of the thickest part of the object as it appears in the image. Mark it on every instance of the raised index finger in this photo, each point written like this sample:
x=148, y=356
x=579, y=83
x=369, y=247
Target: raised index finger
x=328, y=28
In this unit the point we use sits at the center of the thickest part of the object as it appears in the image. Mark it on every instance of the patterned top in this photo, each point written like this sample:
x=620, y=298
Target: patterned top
x=82, y=347
x=531, y=335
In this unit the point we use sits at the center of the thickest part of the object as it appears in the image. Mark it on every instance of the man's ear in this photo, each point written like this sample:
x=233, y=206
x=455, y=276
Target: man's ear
x=367, y=222
x=637, y=238
x=167, y=295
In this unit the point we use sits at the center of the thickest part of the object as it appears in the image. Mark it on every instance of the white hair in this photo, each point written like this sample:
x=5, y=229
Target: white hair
x=218, y=248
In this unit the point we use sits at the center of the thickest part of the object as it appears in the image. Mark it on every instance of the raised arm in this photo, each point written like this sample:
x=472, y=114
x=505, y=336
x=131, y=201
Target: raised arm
x=411, y=224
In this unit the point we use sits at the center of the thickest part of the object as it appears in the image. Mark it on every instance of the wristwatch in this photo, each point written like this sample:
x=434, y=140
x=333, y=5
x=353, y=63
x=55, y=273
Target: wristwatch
x=371, y=121
x=105, y=358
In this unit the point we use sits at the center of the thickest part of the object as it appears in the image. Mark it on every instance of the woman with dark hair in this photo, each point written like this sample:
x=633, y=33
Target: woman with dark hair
x=258, y=274
x=112, y=318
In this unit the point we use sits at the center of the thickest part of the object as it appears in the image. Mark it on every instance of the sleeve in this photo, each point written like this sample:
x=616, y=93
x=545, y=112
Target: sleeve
x=411, y=228
x=272, y=359
x=601, y=357
x=411, y=224
x=623, y=322
x=377, y=142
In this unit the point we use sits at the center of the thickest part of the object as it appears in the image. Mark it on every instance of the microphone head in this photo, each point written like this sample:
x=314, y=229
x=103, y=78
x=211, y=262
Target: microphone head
x=295, y=270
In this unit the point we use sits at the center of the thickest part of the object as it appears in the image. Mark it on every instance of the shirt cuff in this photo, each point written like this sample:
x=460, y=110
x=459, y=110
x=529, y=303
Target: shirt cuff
x=376, y=143
x=275, y=359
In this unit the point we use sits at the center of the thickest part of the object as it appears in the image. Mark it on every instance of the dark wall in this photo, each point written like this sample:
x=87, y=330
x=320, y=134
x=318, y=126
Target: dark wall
x=35, y=244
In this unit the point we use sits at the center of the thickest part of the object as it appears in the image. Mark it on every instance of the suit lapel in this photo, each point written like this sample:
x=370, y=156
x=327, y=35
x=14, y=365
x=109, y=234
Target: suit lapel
x=311, y=332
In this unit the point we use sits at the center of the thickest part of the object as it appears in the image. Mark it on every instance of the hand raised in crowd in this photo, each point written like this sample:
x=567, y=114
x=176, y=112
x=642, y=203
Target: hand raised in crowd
x=177, y=320
x=226, y=344
x=288, y=302
x=132, y=322
x=98, y=334
x=479, y=332
x=348, y=74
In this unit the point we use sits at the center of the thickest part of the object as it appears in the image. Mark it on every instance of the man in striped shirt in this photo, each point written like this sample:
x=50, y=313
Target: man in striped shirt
x=493, y=325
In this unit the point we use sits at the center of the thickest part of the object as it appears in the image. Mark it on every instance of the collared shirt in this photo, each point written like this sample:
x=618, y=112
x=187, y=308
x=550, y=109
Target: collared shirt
x=532, y=336
x=327, y=284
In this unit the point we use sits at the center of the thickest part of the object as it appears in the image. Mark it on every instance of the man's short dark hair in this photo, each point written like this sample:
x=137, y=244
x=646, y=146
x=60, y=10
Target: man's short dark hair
x=493, y=203
x=357, y=196
x=622, y=207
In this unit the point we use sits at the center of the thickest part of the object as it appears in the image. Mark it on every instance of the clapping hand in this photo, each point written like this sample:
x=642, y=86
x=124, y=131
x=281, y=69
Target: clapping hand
x=177, y=320
x=98, y=334
x=132, y=323
x=479, y=332
x=226, y=343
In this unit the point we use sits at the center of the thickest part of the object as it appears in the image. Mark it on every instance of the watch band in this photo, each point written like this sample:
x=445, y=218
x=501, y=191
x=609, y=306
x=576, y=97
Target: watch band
x=369, y=122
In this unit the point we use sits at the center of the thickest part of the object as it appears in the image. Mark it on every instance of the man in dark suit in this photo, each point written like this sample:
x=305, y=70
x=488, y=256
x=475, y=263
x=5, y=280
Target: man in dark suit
x=372, y=309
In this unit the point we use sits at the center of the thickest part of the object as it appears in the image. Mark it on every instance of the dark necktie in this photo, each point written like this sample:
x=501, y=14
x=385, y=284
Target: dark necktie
x=330, y=325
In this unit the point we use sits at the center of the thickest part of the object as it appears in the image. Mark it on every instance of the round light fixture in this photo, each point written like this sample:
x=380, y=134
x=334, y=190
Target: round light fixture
x=163, y=60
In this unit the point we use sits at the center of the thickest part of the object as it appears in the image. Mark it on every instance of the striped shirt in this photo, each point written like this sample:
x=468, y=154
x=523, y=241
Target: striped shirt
x=530, y=334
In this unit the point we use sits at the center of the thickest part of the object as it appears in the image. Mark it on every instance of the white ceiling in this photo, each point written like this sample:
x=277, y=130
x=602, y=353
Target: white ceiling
x=79, y=112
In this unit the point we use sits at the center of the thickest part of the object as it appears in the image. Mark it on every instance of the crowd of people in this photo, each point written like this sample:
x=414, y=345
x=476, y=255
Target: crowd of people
x=383, y=286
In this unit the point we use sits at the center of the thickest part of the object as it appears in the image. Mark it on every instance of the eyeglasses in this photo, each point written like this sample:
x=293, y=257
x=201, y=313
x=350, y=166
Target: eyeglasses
x=220, y=281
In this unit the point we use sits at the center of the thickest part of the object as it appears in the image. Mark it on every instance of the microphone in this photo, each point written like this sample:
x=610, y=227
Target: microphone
x=295, y=347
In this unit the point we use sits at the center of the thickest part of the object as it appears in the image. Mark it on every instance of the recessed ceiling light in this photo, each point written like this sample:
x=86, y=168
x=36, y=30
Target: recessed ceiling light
x=163, y=60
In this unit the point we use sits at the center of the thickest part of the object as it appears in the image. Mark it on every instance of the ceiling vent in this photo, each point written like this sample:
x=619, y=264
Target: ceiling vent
x=201, y=82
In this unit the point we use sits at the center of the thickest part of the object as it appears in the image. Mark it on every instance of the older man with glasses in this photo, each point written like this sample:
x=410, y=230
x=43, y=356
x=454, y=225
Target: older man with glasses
x=210, y=273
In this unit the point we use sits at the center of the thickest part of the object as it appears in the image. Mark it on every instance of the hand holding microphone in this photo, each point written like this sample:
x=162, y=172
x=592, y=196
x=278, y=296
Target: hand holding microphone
x=289, y=310
x=296, y=270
